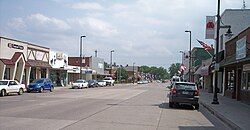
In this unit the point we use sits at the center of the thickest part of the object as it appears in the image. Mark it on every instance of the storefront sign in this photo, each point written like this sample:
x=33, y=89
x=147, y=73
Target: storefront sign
x=210, y=27
x=58, y=59
x=15, y=46
x=88, y=71
x=246, y=67
x=59, y=56
x=241, y=48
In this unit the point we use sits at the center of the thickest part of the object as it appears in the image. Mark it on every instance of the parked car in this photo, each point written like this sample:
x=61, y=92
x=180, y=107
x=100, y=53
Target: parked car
x=80, y=84
x=101, y=83
x=11, y=86
x=92, y=83
x=142, y=82
x=184, y=92
x=41, y=85
x=109, y=81
x=175, y=79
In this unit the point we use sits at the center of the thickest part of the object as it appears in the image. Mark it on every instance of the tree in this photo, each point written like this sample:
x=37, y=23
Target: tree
x=159, y=73
x=123, y=72
x=173, y=69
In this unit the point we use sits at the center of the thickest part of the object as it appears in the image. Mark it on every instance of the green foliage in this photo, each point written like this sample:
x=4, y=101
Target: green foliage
x=123, y=72
x=106, y=65
x=161, y=73
x=173, y=69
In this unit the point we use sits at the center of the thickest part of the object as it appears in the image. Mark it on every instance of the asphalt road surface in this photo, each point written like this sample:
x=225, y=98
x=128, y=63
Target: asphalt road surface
x=123, y=107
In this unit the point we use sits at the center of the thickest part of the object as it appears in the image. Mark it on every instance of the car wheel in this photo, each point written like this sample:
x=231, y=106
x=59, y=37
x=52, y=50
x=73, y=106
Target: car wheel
x=41, y=90
x=20, y=92
x=51, y=89
x=196, y=107
x=170, y=104
x=3, y=93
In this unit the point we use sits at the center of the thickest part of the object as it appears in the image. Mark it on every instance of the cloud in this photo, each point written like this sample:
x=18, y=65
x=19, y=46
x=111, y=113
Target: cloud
x=87, y=6
x=17, y=23
x=49, y=23
x=94, y=26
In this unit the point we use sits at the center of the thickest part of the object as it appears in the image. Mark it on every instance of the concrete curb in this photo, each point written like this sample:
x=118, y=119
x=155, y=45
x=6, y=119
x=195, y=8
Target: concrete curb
x=228, y=122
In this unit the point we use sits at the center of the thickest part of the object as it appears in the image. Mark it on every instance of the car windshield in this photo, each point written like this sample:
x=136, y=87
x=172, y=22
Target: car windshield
x=79, y=81
x=175, y=79
x=185, y=86
x=107, y=78
x=38, y=81
x=90, y=81
x=3, y=82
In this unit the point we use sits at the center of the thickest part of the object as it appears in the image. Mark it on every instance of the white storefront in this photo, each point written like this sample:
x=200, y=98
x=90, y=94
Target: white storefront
x=59, y=64
x=13, y=56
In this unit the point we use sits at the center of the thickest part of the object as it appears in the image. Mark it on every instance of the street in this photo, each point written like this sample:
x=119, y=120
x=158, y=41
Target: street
x=120, y=107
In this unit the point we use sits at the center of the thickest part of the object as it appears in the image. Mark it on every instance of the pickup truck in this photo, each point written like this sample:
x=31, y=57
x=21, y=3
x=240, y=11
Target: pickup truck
x=11, y=86
x=109, y=81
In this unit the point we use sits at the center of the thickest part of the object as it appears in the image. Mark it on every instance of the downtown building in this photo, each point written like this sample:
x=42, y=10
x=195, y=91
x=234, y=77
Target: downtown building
x=92, y=68
x=233, y=68
x=23, y=61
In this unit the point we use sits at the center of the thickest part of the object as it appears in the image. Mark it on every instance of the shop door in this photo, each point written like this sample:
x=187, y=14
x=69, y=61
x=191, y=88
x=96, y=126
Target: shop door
x=238, y=82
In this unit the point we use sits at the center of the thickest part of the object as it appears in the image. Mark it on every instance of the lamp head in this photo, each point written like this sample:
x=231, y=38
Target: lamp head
x=229, y=33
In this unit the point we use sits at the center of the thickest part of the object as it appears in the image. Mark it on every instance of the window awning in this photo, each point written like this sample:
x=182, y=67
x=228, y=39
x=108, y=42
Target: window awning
x=35, y=63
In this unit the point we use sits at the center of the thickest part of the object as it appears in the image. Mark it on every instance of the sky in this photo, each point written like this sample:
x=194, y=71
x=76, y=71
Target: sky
x=144, y=32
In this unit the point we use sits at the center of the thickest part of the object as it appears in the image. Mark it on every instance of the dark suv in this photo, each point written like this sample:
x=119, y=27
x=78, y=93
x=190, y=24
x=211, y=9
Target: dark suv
x=184, y=92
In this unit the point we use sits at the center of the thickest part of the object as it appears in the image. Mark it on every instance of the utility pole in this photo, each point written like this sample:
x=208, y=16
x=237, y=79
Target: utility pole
x=80, y=58
x=215, y=98
x=190, y=57
x=95, y=53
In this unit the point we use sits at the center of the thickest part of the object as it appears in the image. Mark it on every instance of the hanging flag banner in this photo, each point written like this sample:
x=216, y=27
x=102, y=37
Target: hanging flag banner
x=210, y=27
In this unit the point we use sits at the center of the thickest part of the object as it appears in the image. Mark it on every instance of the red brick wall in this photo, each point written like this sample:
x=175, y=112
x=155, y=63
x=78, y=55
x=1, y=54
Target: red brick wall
x=74, y=61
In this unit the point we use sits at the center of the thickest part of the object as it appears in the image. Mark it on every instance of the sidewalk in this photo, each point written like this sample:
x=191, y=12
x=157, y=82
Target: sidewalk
x=231, y=112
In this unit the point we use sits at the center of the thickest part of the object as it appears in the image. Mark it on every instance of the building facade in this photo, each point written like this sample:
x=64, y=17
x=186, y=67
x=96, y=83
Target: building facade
x=23, y=61
x=236, y=66
x=13, y=57
x=230, y=17
x=38, y=61
x=58, y=72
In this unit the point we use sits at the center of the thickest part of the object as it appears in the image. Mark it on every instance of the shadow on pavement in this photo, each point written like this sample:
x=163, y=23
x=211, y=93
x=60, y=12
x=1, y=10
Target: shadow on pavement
x=165, y=105
x=197, y=128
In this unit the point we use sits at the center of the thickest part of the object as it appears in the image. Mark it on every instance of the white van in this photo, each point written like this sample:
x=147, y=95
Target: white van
x=175, y=79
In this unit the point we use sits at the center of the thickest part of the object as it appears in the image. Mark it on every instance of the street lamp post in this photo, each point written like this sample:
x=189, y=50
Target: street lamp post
x=190, y=46
x=111, y=52
x=133, y=72
x=215, y=98
x=80, y=59
x=120, y=73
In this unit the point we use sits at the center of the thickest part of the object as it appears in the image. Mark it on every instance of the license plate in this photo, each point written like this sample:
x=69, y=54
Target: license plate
x=184, y=92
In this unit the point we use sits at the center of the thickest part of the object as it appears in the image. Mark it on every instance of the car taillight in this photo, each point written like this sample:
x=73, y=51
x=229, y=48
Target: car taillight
x=196, y=93
x=173, y=91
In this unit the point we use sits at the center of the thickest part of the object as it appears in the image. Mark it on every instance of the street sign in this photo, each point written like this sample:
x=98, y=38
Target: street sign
x=210, y=27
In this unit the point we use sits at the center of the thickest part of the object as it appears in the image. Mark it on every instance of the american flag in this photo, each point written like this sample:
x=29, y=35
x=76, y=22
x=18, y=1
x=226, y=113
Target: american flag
x=183, y=67
x=204, y=45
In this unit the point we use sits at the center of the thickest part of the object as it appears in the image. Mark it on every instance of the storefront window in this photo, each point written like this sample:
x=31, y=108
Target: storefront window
x=248, y=80
x=230, y=85
x=43, y=73
x=7, y=73
x=32, y=74
x=244, y=81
